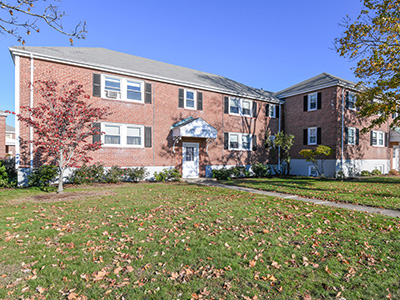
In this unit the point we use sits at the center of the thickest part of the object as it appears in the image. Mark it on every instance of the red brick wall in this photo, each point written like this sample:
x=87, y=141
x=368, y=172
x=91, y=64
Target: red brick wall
x=160, y=115
x=329, y=118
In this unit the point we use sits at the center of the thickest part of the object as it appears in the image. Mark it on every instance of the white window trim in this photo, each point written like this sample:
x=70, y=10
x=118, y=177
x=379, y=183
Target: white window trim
x=310, y=171
x=123, y=136
x=240, y=141
x=377, y=138
x=309, y=135
x=309, y=101
x=194, y=99
x=123, y=94
x=355, y=100
x=354, y=135
x=240, y=107
x=272, y=108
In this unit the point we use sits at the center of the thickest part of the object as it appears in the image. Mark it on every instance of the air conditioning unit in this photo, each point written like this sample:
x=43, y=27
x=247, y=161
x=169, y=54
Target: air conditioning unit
x=112, y=94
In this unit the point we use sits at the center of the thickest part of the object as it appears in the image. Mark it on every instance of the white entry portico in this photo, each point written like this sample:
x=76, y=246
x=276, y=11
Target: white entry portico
x=193, y=129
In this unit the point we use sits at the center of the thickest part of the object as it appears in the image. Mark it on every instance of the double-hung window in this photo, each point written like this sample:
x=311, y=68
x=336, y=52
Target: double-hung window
x=246, y=108
x=351, y=101
x=122, y=135
x=351, y=136
x=312, y=136
x=112, y=135
x=119, y=88
x=240, y=107
x=272, y=111
x=378, y=138
x=190, y=99
x=312, y=101
x=234, y=106
x=240, y=141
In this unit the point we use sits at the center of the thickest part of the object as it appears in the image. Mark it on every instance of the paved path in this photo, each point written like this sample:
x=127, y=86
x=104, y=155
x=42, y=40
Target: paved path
x=361, y=208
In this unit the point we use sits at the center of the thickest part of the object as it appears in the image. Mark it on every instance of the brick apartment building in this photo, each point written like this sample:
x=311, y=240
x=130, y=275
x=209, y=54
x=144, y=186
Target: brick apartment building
x=163, y=115
x=3, y=126
x=166, y=116
x=322, y=110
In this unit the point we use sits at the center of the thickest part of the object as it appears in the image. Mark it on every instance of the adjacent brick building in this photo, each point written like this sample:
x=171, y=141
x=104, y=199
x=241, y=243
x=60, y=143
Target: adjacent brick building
x=3, y=126
x=322, y=110
x=163, y=116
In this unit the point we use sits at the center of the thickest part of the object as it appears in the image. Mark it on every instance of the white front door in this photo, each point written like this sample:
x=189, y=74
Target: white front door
x=396, y=158
x=190, y=160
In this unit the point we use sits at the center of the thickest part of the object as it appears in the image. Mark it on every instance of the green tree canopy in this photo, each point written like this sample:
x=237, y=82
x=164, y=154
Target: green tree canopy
x=372, y=40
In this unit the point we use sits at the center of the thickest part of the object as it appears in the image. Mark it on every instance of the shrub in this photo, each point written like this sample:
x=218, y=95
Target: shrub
x=43, y=176
x=340, y=175
x=3, y=177
x=376, y=172
x=394, y=172
x=167, y=175
x=114, y=175
x=136, y=174
x=239, y=171
x=260, y=170
x=222, y=174
x=88, y=174
x=365, y=173
x=9, y=164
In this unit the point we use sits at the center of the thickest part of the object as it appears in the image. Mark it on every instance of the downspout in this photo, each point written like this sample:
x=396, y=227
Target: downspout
x=17, y=111
x=31, y=106
x=342, y=140
x=279, y=130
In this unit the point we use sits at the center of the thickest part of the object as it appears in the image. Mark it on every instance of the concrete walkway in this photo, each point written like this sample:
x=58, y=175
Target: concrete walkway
x=360, y=208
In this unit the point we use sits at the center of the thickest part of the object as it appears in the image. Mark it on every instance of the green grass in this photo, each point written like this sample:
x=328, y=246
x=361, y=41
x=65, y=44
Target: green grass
x=383, y=192
x=179, y=241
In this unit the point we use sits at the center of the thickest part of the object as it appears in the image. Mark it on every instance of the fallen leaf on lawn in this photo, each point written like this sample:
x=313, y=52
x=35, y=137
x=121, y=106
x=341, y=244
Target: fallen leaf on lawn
x=252, y=264
x=276, y=265
x=269, y=278
x=117, y=270
x=328, y=270
x=129, y=269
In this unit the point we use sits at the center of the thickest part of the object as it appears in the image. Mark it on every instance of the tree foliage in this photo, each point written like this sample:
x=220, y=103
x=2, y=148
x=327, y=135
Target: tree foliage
x=282, y=142
x=321, y=153
x=62, y=124
x=373, y=41
x=27, y=15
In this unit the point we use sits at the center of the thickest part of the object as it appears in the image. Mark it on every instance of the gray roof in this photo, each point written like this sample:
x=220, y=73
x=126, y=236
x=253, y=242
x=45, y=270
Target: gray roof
x=105, y=59
x=314, y=83
x=10, y=128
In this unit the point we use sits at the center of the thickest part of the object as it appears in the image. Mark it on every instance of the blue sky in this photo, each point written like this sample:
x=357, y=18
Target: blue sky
x=262, y=43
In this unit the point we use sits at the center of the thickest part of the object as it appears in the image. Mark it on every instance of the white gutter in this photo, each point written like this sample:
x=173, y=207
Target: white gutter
x=17, y=100
x=31, y=106
x=142, y=75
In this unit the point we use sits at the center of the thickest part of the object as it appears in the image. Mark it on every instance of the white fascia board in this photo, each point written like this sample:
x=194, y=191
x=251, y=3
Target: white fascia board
x=136, y=74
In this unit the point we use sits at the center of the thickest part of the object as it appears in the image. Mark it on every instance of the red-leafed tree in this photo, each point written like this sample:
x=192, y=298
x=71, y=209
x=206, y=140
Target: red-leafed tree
x=62, y=123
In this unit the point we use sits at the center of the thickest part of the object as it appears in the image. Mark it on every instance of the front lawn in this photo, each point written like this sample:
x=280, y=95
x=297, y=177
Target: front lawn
x=179, y=241
x=383, y=192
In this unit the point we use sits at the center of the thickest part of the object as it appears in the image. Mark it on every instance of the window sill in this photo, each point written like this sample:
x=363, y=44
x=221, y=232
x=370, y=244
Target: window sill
x=123, y=100
x=121, y=146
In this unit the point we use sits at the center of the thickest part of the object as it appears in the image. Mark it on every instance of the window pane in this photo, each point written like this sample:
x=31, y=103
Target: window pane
x=112, y=84
x=234, y=106
x=246, y=142
x=380, y=138
x=111, y=139
x=134, y=90
x=133, y=136
x=190, y=103
x=313, y=135
x=189, y=95
x=189, y=154
x=313, y=101
x=131, y=140
x=234, y=141
x=112, y=130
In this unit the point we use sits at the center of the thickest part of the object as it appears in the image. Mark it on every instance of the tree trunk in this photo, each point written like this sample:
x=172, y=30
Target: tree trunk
x=60, y=181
